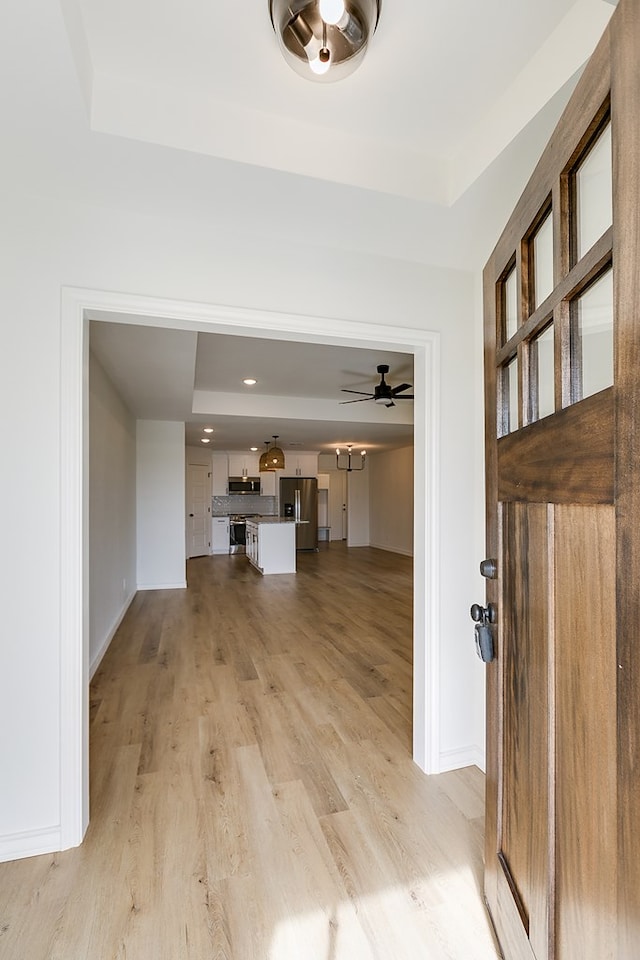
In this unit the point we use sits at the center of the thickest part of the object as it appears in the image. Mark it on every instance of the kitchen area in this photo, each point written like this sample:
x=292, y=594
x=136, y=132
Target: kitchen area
x=267, y=516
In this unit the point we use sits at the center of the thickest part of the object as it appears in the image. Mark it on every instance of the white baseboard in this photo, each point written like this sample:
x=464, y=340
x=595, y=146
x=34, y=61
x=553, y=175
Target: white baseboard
x=163, y=586
x=30, y=843
x=104, y=646
x=390, y=549
x=462, y=757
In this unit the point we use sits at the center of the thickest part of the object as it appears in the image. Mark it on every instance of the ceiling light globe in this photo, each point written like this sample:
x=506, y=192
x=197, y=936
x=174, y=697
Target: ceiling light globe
x=302, y=32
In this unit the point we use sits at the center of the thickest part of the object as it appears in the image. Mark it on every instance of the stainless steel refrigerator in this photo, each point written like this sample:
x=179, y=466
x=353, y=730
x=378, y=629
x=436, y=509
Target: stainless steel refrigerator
x=299, y=500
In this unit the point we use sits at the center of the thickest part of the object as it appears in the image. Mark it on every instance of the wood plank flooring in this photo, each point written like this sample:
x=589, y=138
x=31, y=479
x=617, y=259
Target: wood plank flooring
x=253, y=795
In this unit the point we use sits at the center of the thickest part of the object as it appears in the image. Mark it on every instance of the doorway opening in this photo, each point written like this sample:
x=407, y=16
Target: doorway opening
x=79, y=307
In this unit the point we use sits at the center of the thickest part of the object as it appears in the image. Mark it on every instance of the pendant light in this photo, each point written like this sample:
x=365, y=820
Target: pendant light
x=324, y=40
x=264, y=465
x=275, y=456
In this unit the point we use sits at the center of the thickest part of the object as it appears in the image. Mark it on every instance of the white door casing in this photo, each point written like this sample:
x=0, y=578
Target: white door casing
x=78, y=306
x=198, y=507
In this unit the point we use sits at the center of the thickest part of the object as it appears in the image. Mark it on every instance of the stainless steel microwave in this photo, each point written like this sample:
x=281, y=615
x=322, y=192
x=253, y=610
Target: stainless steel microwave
x=244, y=485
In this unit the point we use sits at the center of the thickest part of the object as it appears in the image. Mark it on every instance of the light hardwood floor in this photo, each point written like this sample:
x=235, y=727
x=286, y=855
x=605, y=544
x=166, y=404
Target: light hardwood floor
x=253, y=794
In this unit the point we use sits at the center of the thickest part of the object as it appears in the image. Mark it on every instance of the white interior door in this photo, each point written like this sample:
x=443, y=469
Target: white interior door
x=198, y=525
x=338, y=504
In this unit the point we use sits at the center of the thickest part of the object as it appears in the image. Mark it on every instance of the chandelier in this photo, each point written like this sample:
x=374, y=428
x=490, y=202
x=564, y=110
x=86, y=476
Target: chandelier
x=347, y=464
x=324, y=40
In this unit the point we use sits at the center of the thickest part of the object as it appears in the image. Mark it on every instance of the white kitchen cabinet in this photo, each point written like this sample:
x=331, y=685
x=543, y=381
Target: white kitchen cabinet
x=244, y=465
x=220, y=535
x=271, y=545
x=219, y=475
x=300, y=465
x=268, y=483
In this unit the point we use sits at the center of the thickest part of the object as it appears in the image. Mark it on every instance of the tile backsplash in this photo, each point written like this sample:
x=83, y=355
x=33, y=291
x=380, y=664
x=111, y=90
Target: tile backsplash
x=244, y=503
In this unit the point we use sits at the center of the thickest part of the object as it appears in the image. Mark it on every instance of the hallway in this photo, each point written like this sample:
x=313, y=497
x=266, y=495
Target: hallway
x=253, y=793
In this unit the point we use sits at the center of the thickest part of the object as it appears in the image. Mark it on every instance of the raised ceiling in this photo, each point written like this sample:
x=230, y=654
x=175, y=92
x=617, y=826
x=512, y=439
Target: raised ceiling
x=444, y=88
x=164, y=374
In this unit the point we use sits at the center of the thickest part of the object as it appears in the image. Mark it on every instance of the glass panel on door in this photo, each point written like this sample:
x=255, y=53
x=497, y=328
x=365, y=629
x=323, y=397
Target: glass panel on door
x=542, y=374
x=593, y=186
x=592, y=341
x=542, y=247
x=510, y=305
x=510, y=397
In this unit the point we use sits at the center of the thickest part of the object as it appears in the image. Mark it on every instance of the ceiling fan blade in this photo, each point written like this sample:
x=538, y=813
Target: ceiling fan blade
x=362, y=392
x=403, y=396
x=361, y=400
x=403, y=386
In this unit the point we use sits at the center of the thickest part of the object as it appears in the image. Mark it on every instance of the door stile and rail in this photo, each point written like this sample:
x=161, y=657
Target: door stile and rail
x=562, y=428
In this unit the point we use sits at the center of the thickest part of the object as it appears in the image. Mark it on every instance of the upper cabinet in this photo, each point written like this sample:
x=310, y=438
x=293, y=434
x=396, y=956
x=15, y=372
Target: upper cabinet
x=234, y=464
x=300, y=465
x=244, y=465
x=268, y=483
x=219, y=475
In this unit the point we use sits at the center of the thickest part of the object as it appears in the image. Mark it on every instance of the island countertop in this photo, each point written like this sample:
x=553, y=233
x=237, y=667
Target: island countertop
x=260, y=521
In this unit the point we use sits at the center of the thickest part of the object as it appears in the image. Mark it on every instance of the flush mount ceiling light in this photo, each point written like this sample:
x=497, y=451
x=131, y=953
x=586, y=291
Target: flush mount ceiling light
x=249, y=381
x=324, y=40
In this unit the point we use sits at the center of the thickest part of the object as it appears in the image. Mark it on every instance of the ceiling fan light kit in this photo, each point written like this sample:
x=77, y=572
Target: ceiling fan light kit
x=324, y=40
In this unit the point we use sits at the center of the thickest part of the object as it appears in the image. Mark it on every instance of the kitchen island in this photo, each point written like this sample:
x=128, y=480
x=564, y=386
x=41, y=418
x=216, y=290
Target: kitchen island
x=271, y=544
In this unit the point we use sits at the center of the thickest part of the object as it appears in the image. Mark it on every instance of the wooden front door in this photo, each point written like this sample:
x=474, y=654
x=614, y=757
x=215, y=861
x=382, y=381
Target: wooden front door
x=562, y=365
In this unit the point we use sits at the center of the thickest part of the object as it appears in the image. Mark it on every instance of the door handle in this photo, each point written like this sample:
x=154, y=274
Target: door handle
x=480, y=614
x=483, y=618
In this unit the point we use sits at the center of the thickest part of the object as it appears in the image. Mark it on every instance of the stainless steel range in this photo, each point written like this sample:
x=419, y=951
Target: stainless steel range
x=238, y=532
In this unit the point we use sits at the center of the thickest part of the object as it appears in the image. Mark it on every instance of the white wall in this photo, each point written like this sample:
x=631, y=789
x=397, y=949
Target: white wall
x=87, y=210
x=160, y=485
x=391, y=500
x=56, y=242
x=112, y=510
x=197, y=455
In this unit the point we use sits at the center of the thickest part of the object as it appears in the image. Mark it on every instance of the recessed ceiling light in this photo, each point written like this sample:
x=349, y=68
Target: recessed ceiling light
x=208, y=430
x=249, y=381
x=205, y=440
x=253, y=449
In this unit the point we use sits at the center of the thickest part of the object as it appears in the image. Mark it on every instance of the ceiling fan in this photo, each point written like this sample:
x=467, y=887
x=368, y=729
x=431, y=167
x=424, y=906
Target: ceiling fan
x=383, y=393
